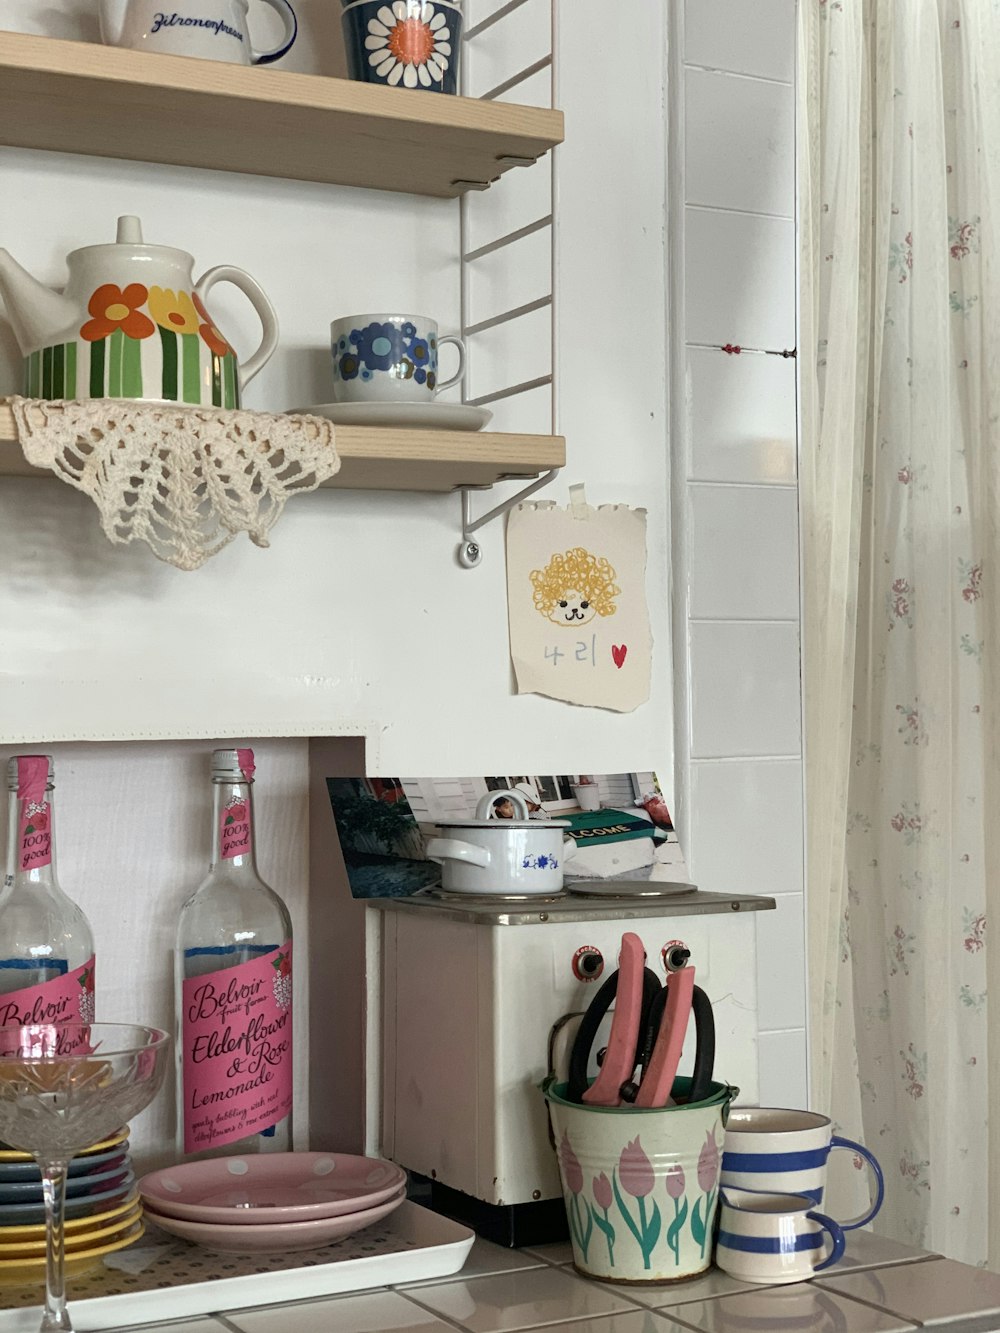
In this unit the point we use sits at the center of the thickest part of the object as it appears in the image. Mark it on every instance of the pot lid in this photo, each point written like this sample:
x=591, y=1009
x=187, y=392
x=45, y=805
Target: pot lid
x=503, y=823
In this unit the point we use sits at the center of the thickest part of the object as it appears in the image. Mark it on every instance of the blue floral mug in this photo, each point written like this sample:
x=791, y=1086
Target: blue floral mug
x=389, y=359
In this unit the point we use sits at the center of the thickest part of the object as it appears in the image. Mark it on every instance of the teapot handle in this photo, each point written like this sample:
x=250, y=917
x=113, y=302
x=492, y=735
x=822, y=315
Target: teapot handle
x=258, y=299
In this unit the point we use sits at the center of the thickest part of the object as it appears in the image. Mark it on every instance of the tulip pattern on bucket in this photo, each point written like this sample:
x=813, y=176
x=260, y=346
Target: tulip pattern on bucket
x=669, y=1214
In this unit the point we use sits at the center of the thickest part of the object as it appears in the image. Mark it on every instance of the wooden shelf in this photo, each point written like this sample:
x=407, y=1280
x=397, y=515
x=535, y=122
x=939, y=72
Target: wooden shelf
x=75, y=97
x=390, y=460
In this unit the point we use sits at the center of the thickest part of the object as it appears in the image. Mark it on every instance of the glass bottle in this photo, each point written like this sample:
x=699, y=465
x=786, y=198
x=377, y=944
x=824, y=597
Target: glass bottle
x=234, y=989
x=46, y=944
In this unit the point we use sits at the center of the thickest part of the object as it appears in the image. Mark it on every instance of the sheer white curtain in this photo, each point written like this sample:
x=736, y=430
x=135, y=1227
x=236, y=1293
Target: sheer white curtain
x=900, y=429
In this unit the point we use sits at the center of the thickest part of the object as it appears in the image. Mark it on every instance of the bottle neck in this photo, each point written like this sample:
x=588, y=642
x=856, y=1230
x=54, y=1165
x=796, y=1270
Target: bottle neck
x=233, y=828
x=31, y=840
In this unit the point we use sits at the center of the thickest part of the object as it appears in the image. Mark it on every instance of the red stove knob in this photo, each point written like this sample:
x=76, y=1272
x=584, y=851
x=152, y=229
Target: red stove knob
x=588, y=963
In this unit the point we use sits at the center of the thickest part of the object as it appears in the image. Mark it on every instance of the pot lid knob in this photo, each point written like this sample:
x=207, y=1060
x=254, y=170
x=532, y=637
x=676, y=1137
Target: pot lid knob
x=129, y=230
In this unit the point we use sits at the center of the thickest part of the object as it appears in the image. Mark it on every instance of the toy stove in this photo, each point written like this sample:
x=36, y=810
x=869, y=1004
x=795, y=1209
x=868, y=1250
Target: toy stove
x=471, y=988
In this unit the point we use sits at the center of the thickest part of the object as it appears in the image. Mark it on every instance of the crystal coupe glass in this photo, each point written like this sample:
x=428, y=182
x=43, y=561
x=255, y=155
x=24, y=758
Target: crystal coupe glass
x=62, y=1089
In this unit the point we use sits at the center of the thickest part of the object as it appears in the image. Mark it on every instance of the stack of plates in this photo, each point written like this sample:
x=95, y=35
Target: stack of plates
x=103, y=1212
x=272, y=1202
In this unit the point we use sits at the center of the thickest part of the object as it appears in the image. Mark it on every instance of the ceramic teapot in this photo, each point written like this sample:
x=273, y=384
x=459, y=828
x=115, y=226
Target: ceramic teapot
x=132, y=323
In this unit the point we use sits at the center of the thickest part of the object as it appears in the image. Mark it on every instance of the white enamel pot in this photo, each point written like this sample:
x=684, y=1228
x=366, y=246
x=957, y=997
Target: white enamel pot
x=493, y=855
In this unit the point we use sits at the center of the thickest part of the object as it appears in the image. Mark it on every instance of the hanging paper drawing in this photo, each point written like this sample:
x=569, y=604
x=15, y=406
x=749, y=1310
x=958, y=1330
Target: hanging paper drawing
x=579, y=626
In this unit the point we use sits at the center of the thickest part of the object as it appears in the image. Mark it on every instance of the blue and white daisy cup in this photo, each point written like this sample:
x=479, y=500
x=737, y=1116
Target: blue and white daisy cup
x=773, y=1238
x=786, y=1152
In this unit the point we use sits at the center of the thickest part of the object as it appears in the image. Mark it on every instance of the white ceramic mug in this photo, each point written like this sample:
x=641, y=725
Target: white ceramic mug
x=786, y=1151
x=386, y=358
x=208, y=29
x=773, y=1238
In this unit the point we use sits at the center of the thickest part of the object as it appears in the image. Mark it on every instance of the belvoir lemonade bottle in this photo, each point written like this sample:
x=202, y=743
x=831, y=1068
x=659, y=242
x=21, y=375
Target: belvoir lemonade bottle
x=46, y=945
x=234, y=989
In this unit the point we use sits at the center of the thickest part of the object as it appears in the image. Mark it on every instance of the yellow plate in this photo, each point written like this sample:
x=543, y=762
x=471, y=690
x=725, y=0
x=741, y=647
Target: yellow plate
x=22, y=1271
x=9, y=1155
x=30, y=1249
x=74, y=1227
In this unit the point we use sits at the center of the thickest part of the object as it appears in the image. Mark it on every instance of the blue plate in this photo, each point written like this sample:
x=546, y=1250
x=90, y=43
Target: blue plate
x=14, y=1172
x=28, y=1214
x=30, y=1191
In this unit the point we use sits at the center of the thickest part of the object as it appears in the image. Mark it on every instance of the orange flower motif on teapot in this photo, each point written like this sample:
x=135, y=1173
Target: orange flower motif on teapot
x=208, y=331
x=173, y=310
x=113, y=308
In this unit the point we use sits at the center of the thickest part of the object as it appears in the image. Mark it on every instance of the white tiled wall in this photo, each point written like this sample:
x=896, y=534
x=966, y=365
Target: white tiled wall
x=736, y=537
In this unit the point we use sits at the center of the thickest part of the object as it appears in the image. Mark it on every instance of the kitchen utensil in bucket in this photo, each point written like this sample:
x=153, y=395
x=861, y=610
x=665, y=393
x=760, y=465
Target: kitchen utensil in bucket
x=641, y=1186
x=647, y=1031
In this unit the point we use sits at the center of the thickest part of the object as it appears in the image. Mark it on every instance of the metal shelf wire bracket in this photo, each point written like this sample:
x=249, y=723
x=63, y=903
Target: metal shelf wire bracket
x=470, y=553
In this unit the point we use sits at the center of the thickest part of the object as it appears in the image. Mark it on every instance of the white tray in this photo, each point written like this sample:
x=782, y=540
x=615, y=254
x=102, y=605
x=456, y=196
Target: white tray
x=160, y=1278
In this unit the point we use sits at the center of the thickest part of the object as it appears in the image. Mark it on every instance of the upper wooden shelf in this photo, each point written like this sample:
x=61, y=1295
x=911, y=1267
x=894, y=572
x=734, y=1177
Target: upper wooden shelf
x=75, y=97
x=390, y=460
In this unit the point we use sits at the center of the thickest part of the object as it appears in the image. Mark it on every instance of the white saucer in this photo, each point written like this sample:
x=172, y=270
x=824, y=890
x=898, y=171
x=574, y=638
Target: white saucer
x=417, y=416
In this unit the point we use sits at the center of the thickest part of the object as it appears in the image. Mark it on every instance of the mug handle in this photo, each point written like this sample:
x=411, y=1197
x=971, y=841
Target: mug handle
x=291, y=31
x=838, y=1142
x=461, y=362
x=258, y=299
x=836, y=1235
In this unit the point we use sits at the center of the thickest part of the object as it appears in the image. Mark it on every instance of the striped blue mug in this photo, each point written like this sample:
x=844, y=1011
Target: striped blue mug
x=773, y=1238
x=782, y=1151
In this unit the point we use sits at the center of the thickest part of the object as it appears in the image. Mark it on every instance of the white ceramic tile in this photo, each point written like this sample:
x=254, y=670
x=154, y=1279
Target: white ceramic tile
x=744, y=552
x=781, y=1060
x=671, y=1298
x=739, y=279
x=485, y=1258
x=757, y=38
x=803, y=1307
x=639, y=1321
x=180, y=1326
x=781, y=965
x=746, y=825
x=933, y=1292
x=866, y=1250
x=739, y=143
x=561, y=1252
x=372, y=1312
x=744, y=690
x=526, y=1299
x=740, y=416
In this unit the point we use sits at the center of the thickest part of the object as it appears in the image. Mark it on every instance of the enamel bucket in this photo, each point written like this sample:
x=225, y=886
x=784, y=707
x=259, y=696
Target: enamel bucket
x=641, y=1186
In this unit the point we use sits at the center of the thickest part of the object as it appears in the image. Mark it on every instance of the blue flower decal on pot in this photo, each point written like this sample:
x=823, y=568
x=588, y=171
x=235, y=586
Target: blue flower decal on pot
x=543, y=861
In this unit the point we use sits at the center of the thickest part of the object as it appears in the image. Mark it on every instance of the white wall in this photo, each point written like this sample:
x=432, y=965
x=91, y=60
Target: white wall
x=357, y=619
x=736, y=544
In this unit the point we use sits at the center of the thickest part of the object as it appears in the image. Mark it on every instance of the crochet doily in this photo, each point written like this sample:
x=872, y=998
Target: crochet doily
x=184, y=480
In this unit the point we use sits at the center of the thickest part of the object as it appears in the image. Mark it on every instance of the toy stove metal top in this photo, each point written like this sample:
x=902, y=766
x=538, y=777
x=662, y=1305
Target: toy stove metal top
x=630, y=896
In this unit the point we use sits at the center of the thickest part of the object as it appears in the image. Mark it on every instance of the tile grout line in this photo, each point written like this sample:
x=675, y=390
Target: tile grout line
x=882, y=1309
x=740, y=212
x=445, y=1319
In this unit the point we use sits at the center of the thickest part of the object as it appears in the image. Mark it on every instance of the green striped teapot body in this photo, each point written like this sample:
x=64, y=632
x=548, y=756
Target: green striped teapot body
x=132, y=323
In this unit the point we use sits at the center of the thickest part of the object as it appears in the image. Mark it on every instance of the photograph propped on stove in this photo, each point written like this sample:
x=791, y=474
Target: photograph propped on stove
x=504, y=834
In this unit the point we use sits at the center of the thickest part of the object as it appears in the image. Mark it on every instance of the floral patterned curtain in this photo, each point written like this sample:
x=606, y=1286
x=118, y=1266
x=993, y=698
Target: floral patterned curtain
x=900, y=483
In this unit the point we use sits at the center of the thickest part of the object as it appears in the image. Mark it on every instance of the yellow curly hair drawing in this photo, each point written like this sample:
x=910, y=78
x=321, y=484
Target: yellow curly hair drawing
x=574, y=587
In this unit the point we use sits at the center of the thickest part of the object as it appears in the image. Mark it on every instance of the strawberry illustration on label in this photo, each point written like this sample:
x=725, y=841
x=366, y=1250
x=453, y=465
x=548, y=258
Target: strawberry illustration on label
x=281, y=982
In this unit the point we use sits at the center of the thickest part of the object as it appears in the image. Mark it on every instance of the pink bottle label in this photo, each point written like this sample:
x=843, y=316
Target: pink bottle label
x=237, y=1037
x=234, y=829
x=34, y=835
x=67, y=999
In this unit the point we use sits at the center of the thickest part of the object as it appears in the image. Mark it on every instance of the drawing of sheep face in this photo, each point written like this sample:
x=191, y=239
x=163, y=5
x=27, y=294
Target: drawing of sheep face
x=573, y=608
x=574, y=587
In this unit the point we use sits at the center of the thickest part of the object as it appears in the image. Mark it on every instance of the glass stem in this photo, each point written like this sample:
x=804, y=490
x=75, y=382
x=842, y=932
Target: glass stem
x=56, y=1315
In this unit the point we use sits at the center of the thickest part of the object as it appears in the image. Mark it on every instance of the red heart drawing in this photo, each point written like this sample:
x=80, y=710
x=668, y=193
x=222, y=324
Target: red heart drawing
x=618, y=653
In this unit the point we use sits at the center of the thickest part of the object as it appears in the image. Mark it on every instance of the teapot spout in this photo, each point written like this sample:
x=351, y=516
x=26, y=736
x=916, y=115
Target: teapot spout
x=38, y=315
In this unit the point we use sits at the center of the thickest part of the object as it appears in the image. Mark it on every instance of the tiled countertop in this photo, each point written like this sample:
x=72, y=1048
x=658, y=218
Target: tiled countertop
x=879, y=1287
